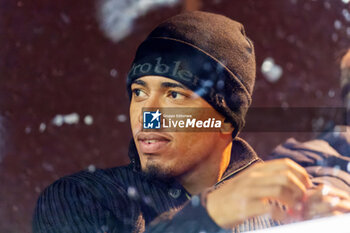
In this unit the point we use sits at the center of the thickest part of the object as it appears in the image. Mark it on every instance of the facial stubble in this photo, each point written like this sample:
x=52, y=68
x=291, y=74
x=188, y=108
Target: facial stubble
x=156, y=171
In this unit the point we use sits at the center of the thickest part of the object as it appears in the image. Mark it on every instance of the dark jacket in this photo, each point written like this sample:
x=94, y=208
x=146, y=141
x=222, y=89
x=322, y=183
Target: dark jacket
x=122, y=199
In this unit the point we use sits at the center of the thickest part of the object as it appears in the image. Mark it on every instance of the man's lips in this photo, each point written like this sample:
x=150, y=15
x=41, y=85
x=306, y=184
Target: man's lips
x=150, y=143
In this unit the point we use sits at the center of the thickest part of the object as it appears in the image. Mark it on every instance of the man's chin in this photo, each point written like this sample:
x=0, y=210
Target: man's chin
x=153, y=171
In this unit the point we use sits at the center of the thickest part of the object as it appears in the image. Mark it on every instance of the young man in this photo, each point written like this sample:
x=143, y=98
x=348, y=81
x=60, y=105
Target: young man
x=191, y=181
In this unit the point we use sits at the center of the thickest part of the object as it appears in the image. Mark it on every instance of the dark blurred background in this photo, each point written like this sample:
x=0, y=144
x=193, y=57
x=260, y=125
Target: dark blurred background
x=63, y=104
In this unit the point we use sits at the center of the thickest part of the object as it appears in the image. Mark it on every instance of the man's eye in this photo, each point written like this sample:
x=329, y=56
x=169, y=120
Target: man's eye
x=138, y=92
x=176, y=95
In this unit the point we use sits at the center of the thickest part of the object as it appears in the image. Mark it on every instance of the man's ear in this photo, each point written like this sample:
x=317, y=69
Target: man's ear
x=227, y=127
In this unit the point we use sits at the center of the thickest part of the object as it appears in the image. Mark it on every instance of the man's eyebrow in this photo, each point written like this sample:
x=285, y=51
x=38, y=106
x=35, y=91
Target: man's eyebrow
x=140, y=82
x=169, y=85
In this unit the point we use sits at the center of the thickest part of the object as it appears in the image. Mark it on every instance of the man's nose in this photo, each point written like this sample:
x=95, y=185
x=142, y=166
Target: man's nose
x=154, y=101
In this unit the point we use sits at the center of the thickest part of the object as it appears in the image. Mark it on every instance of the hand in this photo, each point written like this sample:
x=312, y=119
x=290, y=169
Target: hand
x=325, y=201
x=250, y=192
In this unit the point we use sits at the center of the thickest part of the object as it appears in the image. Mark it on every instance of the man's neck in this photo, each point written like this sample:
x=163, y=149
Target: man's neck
x=207, y=173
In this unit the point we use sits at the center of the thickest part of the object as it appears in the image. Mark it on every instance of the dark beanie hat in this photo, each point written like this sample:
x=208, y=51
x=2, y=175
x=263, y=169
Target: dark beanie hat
x=208, y=53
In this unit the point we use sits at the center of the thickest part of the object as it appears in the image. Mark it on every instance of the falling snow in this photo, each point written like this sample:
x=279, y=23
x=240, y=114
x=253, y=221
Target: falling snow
x=48, y=166
x=65, y=18
x=132, y=192
x=337, y=24
x=69, y=119
x=271, y=71
x=318, y=123
x=147, y=200
x=42, y=127
x=37, y=189
x=88, y=120
x=28, y=129
x=122, y=118
x=91, y=168
x=331, y=93
x=113, y=73
x=346, y=15
x=117, y=16
x=327, y=5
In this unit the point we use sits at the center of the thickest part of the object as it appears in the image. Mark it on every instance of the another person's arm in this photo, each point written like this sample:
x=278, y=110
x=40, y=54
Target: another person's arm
x=258, y=197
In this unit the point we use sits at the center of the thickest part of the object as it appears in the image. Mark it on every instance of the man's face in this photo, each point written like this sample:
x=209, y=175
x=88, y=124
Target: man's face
x=168, y=154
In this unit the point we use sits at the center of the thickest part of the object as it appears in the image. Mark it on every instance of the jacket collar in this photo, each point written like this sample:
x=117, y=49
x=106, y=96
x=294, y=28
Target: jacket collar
x=242, y=156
